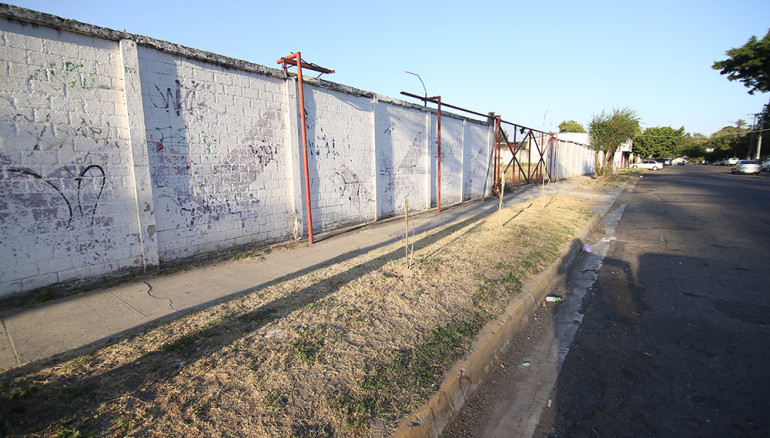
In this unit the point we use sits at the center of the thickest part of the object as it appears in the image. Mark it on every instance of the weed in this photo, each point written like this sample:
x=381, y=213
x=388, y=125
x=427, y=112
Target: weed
x=183, y=343
x=72, y=393
x=306, y=348
x=482, y=295
x=43, y=295
x=275, y=400
x=63, y=429
x=315, y=306
x=125, y=423
x=411, y=373
x=236, y=346
x=19, y=392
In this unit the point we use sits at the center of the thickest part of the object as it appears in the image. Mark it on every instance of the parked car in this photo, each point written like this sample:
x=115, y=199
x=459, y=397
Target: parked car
x=732, y=161
x=647, y=164
x=662, y=162
x=766, y=165
x=747, y=166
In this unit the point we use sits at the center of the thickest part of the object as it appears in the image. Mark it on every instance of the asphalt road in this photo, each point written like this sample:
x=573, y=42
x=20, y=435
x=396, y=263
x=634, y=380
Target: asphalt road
x=674, y=338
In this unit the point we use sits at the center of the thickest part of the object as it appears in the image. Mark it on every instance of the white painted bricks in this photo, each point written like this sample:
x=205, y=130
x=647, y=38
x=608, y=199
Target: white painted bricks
x=118, y=157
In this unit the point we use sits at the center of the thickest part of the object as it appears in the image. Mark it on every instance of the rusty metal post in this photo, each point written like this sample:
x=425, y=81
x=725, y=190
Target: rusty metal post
x=304, y=147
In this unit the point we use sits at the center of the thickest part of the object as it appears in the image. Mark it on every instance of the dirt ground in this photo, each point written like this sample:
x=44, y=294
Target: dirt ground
x=343, y=350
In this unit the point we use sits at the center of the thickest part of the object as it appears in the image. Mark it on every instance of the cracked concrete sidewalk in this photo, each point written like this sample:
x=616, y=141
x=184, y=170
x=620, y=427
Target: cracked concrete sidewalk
x=87, y=319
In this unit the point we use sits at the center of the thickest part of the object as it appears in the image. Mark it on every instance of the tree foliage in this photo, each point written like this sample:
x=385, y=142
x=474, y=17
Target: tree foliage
x=730, y=141
x=661, y=142
x=749, y=64
x=609, y=131
x=571, y=126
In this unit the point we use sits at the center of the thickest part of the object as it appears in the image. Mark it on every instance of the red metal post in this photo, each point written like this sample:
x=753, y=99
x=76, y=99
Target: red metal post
x=298, y=58
x=304, y=148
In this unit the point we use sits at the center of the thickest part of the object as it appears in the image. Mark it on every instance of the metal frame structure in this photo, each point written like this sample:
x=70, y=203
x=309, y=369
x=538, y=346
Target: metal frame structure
x=290, y=61
x=518, y=174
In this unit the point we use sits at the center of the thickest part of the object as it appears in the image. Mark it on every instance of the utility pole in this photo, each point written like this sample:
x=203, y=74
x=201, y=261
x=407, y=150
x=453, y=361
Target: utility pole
x=761, y=129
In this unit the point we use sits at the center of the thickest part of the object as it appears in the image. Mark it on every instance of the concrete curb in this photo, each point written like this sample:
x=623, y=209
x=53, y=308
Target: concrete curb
x=465, y=377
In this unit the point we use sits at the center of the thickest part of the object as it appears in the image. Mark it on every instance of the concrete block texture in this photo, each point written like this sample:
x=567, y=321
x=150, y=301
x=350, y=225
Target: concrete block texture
x=120, y=153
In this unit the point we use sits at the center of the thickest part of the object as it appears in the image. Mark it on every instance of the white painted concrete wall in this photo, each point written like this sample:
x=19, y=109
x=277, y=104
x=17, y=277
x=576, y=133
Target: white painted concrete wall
x=119, y=154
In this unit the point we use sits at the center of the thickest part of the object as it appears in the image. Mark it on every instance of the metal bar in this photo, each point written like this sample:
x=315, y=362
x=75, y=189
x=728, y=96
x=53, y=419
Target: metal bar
x=304, y=149
x=429, y=99
x=286, y=61
x=298, y=58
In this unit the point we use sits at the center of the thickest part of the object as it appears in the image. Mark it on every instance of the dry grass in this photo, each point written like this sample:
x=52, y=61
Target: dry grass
x=344, y=350
x=609, y=183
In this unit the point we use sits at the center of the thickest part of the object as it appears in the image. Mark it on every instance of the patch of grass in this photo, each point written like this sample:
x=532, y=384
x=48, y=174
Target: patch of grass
x=315, y=306
x=62, y=428
x=72, y=393
x=275, y=399
x=19, y=392
x=183, y=344
x=306, y=348
x=43, y=295
x=411, y=373
x=125, y=424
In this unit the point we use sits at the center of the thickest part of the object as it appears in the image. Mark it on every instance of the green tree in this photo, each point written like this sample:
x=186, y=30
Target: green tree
x=571, y=126
x=609, y=131
x=729, y=141
x=663, y=142
x=694, y=146
x=749, y=64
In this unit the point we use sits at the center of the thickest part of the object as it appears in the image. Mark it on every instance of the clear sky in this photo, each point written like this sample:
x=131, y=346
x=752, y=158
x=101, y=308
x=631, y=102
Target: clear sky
x=536, y=62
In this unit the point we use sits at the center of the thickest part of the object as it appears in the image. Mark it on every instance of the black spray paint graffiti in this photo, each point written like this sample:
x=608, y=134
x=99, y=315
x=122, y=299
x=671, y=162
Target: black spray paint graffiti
x=351, y=186
x=52, y=135
x=93, y=169
x=179, y=98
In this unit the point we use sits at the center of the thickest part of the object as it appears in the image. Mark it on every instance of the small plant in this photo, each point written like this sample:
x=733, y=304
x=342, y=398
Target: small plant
x=125, y=423
x=275, y=400
x=43, y=295
x=183, y=343
x=19, y=393
x=236, y=346
x=306, y=348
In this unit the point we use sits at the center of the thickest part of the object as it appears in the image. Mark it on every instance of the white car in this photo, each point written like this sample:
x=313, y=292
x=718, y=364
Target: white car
x=647, y=164
x=766, y=165
x=747, y=167
x=732, y=161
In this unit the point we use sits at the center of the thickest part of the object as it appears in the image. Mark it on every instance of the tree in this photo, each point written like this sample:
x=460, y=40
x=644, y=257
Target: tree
x=749, y=64
x=694, y=146
x=663, y=142
x=729, y=142
x=609, y=131
x=571, y=126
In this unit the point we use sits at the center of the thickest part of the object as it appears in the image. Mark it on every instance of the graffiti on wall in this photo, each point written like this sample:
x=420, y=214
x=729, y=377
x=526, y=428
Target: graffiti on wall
x=205, y=181
x=92, y=172
x=348, y=185
x=57, y=76
x=181, y=97
x=401, y=180
x=49, y=135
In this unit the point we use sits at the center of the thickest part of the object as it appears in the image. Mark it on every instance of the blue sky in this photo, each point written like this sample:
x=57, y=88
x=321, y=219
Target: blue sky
x=537, y=63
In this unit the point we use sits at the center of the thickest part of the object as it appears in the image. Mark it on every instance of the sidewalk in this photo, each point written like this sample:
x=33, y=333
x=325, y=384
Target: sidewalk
x=59, y=326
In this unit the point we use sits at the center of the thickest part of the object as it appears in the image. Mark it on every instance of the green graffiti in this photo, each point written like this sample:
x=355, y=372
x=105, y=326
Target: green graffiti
x=69, y=74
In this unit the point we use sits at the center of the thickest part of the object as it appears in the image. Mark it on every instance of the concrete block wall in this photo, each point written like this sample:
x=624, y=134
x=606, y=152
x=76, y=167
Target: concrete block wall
x=403, y=159
x=120, y=154
x=218, y=154
x=67, y=204
x=341, y=159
